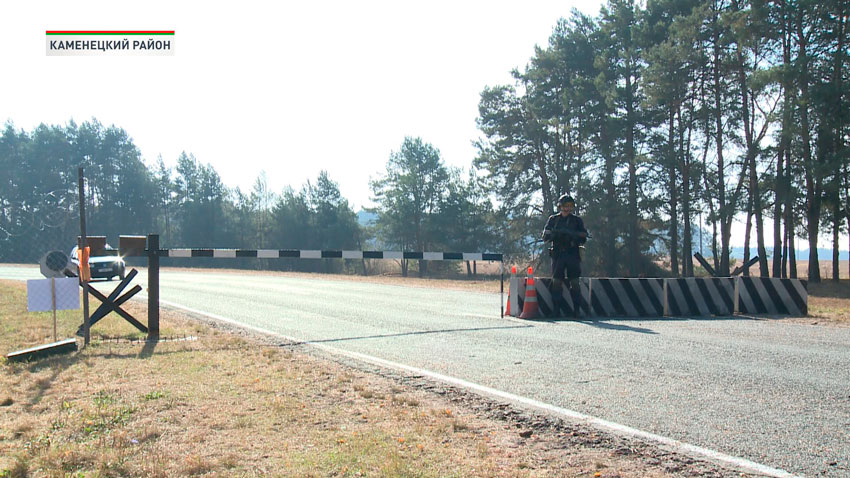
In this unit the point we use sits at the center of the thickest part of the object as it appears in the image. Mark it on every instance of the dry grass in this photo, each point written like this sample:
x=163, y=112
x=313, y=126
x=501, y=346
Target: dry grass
x=223, y=406
x=825, y=267
x=830, y=301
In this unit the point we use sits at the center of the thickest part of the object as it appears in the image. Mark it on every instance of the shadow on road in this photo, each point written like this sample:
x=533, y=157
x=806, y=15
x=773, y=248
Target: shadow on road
x=603, y=323
x=402, y=334
x=621, y=327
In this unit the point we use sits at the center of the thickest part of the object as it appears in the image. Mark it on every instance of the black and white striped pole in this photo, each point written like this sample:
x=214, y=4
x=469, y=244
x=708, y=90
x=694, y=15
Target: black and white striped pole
x=327, y=254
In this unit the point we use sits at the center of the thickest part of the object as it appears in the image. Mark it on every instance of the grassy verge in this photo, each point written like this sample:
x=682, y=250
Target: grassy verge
x=226, y=406
x=829, y=301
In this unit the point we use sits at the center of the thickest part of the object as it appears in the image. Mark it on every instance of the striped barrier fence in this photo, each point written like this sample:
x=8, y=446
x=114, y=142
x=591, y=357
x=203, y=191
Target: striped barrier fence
x=763, y=295
x=327, y=254
x=148, y=246
x=699, y=297
x=683, y=297
x=546, y=302
x=627, y=297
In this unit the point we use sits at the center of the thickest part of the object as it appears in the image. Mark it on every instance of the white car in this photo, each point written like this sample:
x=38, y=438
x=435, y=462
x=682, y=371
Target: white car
x=106, y=267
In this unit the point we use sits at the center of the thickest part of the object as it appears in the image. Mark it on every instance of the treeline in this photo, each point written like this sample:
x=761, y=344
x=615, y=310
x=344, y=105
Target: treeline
x=660, y=116
x=423, y=204
x=189, y=206
x=665, y=120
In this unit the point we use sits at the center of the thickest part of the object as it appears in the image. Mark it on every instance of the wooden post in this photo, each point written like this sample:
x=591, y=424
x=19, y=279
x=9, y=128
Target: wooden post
x=153, y=286
x=83, y=244
x=53, y=301
x=502, y=288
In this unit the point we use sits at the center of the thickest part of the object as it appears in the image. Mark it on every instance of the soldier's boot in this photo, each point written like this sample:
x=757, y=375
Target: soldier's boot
x=575, y=294
x=559, y=304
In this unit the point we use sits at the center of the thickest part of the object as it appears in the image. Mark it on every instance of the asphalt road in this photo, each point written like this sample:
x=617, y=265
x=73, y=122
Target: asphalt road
x=770, y=391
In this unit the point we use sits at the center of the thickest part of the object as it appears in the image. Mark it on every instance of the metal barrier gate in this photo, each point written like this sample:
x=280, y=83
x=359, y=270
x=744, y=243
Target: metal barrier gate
x=148, y=246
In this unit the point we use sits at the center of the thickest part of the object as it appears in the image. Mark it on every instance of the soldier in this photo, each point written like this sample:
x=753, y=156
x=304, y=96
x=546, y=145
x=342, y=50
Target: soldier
x=566, y=232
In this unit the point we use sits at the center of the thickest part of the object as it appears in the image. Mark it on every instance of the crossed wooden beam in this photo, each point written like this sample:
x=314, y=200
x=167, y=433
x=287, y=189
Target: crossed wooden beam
x=737, y=270
x=113, y=302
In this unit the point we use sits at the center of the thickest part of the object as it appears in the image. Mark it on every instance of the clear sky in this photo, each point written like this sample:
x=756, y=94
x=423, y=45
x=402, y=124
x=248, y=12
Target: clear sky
x=286, y=87
x=289, y=88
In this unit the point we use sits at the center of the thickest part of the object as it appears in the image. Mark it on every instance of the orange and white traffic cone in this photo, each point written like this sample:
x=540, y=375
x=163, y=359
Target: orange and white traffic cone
x=530, y=309
x=511, y=285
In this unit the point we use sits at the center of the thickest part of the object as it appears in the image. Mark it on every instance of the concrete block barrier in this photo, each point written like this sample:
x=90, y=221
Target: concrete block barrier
x=546, y=297
x=699, y=297
x=682, y=297
x=627, y=297
x=763, y=295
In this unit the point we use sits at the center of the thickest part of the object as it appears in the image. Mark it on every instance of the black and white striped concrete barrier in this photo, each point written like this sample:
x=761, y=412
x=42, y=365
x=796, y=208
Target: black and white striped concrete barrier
x=545, y=300
x=762, y=295
x=627, y=297
x=688, y=297
x=699, y=297
x=320, y=254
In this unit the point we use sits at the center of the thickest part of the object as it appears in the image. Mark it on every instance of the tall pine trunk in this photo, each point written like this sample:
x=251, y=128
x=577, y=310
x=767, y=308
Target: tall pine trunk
x=712, y=213
x=847, y=208
x=779, y=187
x=687, y=242
x=789, y=231
x=611, y=206
x=838, y=146
x=747, y=233
x=754, y=200
x=725, y=217
x=812, y=182
x=836, y=225
x=674, y=212
x=783, y=178
x=634, y=248
x=785, y=255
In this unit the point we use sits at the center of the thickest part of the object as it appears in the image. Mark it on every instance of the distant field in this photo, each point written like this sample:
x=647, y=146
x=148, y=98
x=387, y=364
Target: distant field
x=825, y=269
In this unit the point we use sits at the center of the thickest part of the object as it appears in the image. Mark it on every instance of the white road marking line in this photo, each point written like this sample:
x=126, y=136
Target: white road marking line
x=222, y=318
x=525, y=321
x=617, y=428
x=480, y=316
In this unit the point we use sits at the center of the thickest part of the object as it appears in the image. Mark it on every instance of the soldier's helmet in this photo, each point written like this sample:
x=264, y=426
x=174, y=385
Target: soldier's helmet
x=564, y=199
